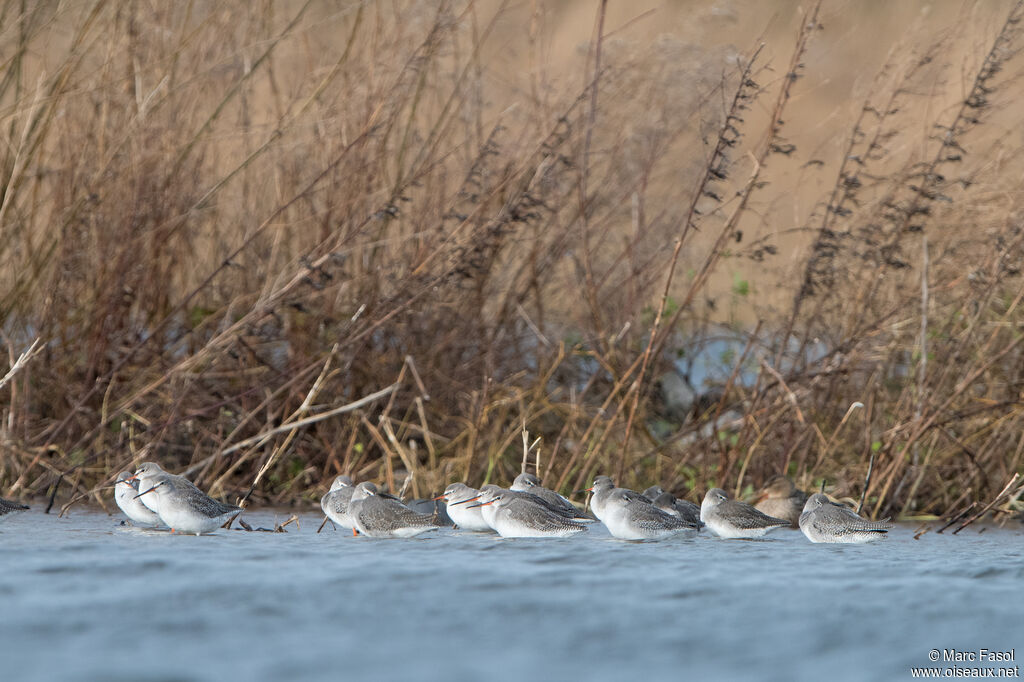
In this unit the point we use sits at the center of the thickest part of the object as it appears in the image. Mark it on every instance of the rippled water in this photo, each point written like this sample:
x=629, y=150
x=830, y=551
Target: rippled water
x=83, y=598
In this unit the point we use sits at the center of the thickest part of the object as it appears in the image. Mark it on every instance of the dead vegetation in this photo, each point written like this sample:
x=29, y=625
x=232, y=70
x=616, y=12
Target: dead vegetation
x=267, y=247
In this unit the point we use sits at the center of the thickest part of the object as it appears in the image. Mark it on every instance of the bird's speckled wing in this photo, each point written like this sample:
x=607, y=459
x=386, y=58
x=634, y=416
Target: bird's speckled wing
x=688, y=511
x=649, y=517
x=337, y=502
x=632, y=495
x=744, y=516
x=7, y=507
x=558, y=503
x=537, y=499
x=384, y=514
x=525, y=511
x=839, y=520
x=653, y=493
x=198, y=500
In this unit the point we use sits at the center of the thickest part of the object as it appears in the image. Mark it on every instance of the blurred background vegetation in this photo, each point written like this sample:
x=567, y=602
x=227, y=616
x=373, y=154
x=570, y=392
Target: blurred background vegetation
x=695, y=243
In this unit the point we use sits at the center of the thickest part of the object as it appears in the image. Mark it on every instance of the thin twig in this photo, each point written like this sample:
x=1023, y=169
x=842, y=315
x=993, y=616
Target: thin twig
x=22, y=360
x=995, y=500
x=261, y=438
x=957, y=517
x=867, y=480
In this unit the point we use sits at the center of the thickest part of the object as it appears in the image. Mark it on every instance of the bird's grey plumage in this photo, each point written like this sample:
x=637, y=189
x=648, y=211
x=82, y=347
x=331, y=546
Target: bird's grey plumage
x=602, y=490
x=126, y=490
x=383, y=516
x=555, y=508
x=457, y=497
x=825, y=521
x=516, y=514
x=8, y=508
x=630, y=518
x=684, y=509
x=528, y=483
x=730, y=518
x=335, y=502
x=653, y=492
x=435, y=508
x=782, y=499
x=180, y=505
x=148, y=474
x=199, y=501
x=667, y=502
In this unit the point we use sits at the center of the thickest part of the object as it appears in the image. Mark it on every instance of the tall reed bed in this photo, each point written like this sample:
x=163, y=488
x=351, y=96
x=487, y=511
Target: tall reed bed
x=267, y=244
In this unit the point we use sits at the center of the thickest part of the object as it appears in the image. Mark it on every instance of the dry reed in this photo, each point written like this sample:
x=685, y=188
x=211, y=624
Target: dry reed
x=268, y=247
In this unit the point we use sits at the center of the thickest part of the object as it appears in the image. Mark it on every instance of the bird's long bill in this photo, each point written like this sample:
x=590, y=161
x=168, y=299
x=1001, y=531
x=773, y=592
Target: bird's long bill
x=585, y=490
x=468, y=500
x=147, y=491
x=478, y=504
x=439, y=497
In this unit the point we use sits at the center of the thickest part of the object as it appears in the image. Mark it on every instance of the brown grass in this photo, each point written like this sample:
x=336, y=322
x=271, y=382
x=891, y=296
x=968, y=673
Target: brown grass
x=229, y=227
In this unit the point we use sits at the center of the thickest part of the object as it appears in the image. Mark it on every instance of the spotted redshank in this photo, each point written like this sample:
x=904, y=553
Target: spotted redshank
x=667, y=502
x=825, y=521
x=553, y=508
x=465, y=517
x=516, y=515
x=335, y=502
x=181, y=506
x=528, y=483
x=125, y=490
x=729, y=518
x=602, y=490
x=684, y=509
x=383, y=516
x=9, y=509
x=630, y=518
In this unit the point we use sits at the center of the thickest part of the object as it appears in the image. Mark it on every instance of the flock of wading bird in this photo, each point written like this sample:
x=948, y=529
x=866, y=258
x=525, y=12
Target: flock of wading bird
x=152, y=497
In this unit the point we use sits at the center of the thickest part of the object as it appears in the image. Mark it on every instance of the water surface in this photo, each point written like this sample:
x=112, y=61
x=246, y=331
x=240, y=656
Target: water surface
x=84, y=598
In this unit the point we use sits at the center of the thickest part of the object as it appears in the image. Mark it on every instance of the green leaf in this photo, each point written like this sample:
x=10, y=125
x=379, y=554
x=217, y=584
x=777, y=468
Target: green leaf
x=197, y=314
x=740, y=286
x=670, y=307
